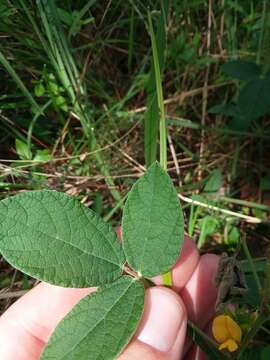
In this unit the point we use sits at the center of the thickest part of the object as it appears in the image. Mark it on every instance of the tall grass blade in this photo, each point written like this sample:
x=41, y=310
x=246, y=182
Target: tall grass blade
x=151, y=121
x=6, y=64
x=56, y=47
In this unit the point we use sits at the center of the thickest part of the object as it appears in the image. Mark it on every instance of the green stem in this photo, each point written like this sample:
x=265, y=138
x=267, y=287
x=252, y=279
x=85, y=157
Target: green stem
x=160, y=99
x=33, y=122
x=120, y=203
x=246, y=203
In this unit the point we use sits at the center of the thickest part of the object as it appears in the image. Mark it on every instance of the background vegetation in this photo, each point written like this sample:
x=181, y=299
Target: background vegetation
x=79, y=110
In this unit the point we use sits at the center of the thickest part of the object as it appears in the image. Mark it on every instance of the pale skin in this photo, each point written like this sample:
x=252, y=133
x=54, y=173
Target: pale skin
x=26, y=326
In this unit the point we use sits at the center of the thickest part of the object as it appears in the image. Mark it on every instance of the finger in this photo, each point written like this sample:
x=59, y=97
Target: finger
x=184, y=267
x=32, y=319
x=199, y=294
x=162, y=329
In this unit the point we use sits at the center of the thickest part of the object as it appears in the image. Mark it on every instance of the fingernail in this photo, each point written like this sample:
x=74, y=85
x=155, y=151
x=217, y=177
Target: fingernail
x=162, y=319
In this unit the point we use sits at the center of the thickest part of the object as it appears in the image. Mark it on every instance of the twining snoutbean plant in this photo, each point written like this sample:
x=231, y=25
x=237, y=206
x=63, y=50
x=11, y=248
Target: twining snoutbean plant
x=53, y=237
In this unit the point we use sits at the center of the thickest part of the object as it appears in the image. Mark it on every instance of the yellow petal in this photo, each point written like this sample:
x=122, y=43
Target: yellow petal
x=234, y=329
x=230, y=345
x=219, y=329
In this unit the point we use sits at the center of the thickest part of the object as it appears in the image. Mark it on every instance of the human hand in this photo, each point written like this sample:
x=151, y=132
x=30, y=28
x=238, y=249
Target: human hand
x=26, y=326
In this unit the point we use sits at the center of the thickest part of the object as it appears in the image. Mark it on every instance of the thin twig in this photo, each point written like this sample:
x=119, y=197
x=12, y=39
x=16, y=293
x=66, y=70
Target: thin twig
x=182, y=96
x=249, y=219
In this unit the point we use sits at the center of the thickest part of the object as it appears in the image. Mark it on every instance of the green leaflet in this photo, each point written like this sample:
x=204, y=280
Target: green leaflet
x=152, y=224
x=51, y=236
x=101, y=325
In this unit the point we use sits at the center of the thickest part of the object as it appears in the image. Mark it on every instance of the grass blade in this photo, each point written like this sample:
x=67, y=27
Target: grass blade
x=151, y=122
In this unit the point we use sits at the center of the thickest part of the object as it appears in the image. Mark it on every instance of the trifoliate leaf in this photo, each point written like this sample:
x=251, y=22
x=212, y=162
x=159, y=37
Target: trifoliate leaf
x=52, y=237
x=101, y=325
x=152, y=224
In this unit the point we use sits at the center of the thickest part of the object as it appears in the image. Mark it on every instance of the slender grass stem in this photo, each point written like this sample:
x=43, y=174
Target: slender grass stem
x=162, y=123
x=117, y=207
x=33, y=122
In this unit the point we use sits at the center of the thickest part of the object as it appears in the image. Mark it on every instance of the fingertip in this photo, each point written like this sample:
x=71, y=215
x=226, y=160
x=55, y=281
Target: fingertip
x=164, y=317
x=137, y=350
x=186, y=264
x=199, y=294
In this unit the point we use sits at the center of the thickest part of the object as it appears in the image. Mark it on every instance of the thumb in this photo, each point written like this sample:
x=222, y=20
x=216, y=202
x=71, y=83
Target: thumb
x=162, y=330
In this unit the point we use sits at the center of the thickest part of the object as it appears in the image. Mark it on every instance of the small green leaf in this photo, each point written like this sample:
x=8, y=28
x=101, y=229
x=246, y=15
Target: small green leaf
x=153, y=225
x=53, y=88
x=101, y=325
x=214, y=181
x=39, y=89
x=52, y=237
x=233, y=235
x=208, y=227
x=23, y=150
x=42, y=155
x=60, y=102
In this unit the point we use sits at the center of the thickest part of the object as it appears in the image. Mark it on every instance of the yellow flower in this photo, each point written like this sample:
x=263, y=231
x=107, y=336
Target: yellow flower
x=226, y=332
